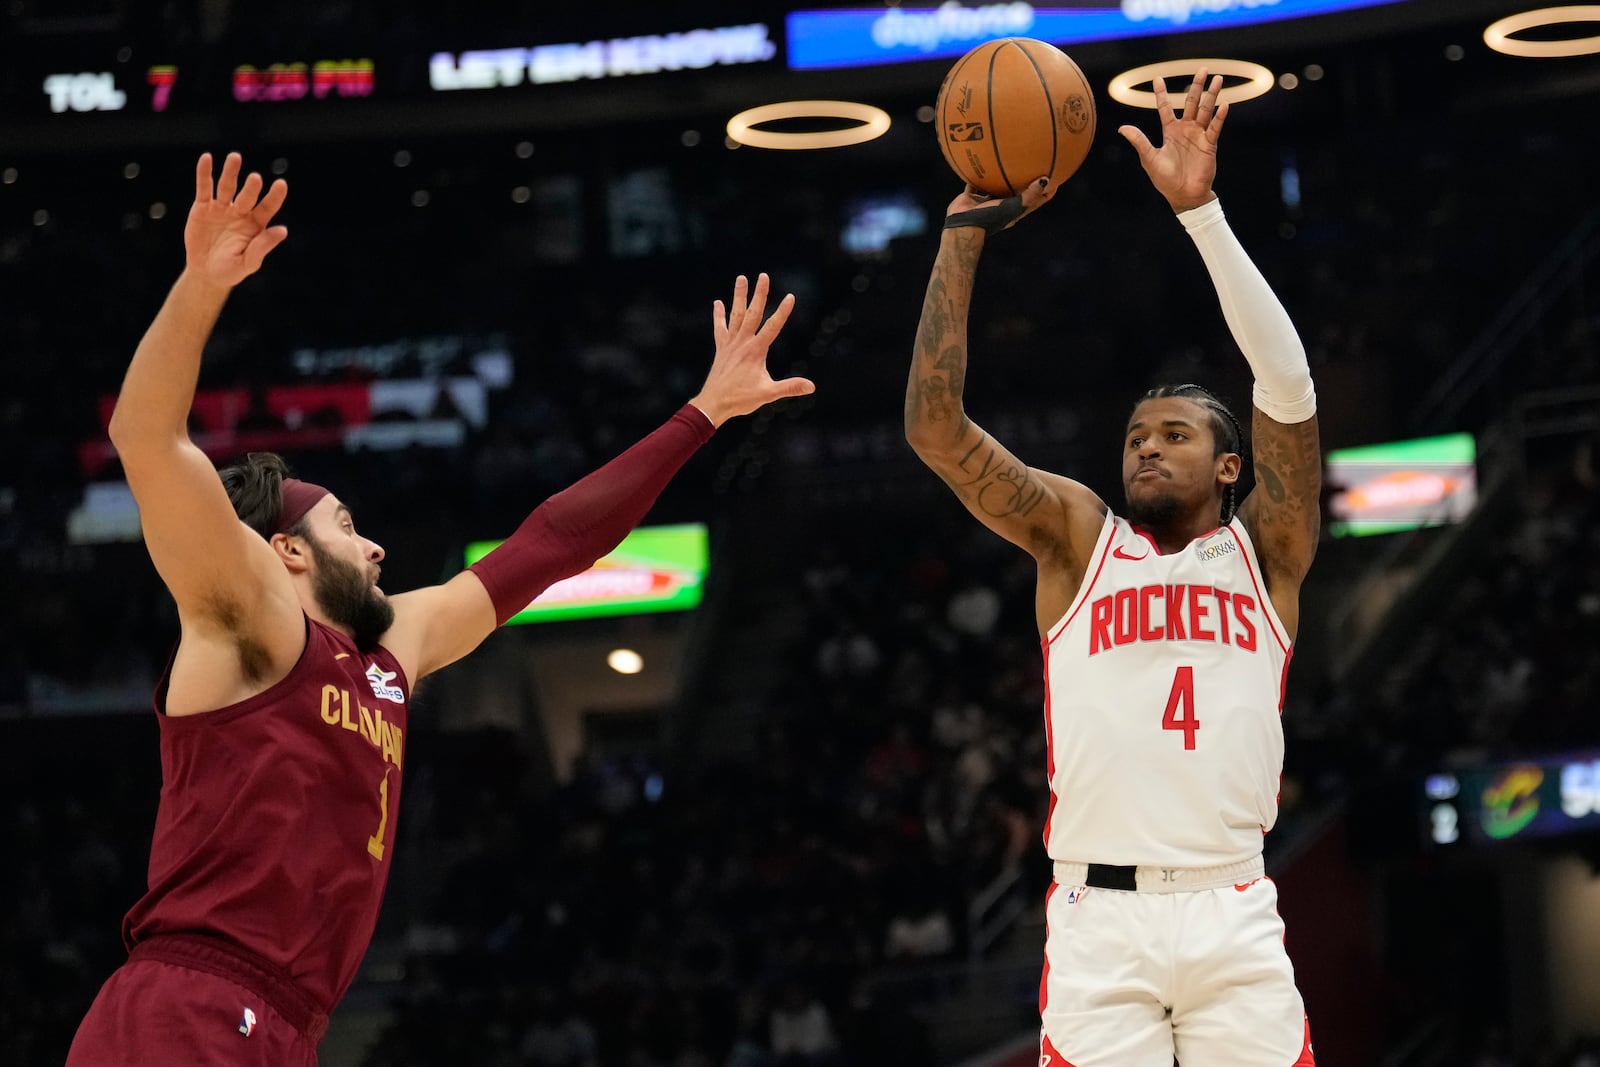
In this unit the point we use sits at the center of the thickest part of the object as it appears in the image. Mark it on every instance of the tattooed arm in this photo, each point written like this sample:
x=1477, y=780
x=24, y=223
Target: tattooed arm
x=1283, y=512
x=1055, y=519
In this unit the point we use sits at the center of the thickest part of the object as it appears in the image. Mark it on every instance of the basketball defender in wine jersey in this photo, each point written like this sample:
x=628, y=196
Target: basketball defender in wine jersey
x=1166, y=632
x=284, y=709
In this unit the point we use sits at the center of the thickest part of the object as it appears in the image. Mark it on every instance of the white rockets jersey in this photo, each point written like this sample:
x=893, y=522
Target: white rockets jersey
x=1163, y=696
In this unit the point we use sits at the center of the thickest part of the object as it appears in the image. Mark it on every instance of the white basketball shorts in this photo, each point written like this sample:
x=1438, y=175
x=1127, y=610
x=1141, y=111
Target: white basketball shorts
x=1138, y=978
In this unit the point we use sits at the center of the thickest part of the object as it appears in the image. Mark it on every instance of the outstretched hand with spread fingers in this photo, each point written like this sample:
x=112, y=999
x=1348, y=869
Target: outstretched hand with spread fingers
x=229, y=231
x=1185, y=165
x=739, y=382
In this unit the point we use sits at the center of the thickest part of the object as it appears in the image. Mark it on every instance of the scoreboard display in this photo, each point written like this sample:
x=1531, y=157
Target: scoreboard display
x=100, y=74
x=117, y=68
x=1512, y=801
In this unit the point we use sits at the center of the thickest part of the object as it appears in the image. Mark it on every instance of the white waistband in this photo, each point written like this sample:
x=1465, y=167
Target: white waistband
x=1173, y=879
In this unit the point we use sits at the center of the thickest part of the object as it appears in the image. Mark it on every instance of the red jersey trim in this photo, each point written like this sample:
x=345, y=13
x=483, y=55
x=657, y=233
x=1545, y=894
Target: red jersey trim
x=1044, y=978
x=1268, y=612
x=1083, y=593
x=1283, y=682
x=1049, y=753
x=1049, y=1055
x=1306, y=1058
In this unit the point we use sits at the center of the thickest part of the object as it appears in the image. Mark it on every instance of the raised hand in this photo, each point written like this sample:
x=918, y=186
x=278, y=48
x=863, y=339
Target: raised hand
x=1185, y=165
x=738, y=382
x=993, y=214
x=229, y=233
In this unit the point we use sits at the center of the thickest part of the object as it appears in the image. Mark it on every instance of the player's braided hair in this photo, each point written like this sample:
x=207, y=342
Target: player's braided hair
x=1225, y=430
x=255, y=489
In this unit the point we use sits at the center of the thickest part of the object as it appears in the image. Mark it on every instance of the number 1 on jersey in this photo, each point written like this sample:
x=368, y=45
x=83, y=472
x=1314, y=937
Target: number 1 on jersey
x=1180, y=707
x=375, y=842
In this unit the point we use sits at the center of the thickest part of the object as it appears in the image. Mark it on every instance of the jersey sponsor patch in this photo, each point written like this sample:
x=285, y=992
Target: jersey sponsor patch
x=1215, y=549
x=379, y=679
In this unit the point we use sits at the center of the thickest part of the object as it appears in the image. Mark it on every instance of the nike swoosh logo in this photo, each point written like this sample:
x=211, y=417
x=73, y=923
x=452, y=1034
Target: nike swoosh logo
x=1123, y=555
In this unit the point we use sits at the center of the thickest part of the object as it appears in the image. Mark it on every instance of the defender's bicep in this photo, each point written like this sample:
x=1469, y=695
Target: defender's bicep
x=215, y=567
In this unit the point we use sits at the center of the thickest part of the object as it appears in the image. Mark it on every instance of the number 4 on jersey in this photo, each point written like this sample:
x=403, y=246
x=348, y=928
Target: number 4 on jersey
x=1180, y=707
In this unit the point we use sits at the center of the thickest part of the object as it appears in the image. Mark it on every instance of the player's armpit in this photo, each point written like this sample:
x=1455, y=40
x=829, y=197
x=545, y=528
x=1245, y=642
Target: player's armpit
x=435, y=626
x=1283, y=511
x=1054, y=519
x=224, y=577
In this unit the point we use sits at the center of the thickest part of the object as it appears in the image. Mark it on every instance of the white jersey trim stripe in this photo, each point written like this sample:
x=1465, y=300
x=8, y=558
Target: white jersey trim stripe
x=1103, y=548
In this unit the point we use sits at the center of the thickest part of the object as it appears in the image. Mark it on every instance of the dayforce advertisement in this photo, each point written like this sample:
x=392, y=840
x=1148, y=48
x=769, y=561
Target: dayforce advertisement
x=867, y=36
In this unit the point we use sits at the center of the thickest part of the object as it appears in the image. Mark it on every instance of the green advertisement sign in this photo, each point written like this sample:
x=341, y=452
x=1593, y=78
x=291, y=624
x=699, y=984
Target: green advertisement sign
x=656, y=568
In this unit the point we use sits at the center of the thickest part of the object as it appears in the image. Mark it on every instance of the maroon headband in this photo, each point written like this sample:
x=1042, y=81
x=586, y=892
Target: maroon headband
x=298, y=498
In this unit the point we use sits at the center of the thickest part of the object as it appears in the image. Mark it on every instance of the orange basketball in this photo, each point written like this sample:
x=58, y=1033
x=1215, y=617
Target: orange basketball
x=1012, y=110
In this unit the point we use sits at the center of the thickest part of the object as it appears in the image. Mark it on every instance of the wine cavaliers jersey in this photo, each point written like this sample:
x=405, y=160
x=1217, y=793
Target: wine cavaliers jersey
x=1163, y=695
x=277, y=816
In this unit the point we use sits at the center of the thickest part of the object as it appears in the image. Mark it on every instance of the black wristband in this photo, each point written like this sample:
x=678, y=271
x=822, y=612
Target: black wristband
x=991, y=218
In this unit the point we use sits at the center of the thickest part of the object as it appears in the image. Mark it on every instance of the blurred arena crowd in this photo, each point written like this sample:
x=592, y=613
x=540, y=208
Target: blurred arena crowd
x=804, y=900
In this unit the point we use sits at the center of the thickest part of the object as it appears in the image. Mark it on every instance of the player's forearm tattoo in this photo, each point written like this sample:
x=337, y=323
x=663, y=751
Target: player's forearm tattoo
x=953, y=360
x=936, y=315
x=939, y=363
x=999, y=484
x=937, y=401
x=989, y=479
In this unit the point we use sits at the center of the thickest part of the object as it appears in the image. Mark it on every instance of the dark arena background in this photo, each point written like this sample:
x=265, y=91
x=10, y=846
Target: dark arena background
x=805, y=829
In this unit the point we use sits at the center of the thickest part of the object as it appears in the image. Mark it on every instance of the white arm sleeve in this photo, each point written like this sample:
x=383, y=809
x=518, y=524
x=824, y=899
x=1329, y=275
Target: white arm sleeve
x=1260, y=325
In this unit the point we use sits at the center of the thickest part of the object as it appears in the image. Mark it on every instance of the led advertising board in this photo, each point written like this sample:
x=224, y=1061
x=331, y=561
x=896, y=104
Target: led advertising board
x=857, y=37
x=1402, y=485
x=656, y=568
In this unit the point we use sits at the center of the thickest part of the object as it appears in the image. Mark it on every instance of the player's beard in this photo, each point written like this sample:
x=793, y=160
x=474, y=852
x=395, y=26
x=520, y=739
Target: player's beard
x=348, y=598
x=1154, y=510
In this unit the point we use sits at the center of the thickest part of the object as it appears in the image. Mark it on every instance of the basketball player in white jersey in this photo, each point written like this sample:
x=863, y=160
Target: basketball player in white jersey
x=1167, y=632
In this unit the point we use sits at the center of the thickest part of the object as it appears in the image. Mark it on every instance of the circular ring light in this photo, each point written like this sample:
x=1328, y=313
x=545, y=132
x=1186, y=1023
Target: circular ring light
x=1258, y=80
x=1498, y=34
x=870, y=122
